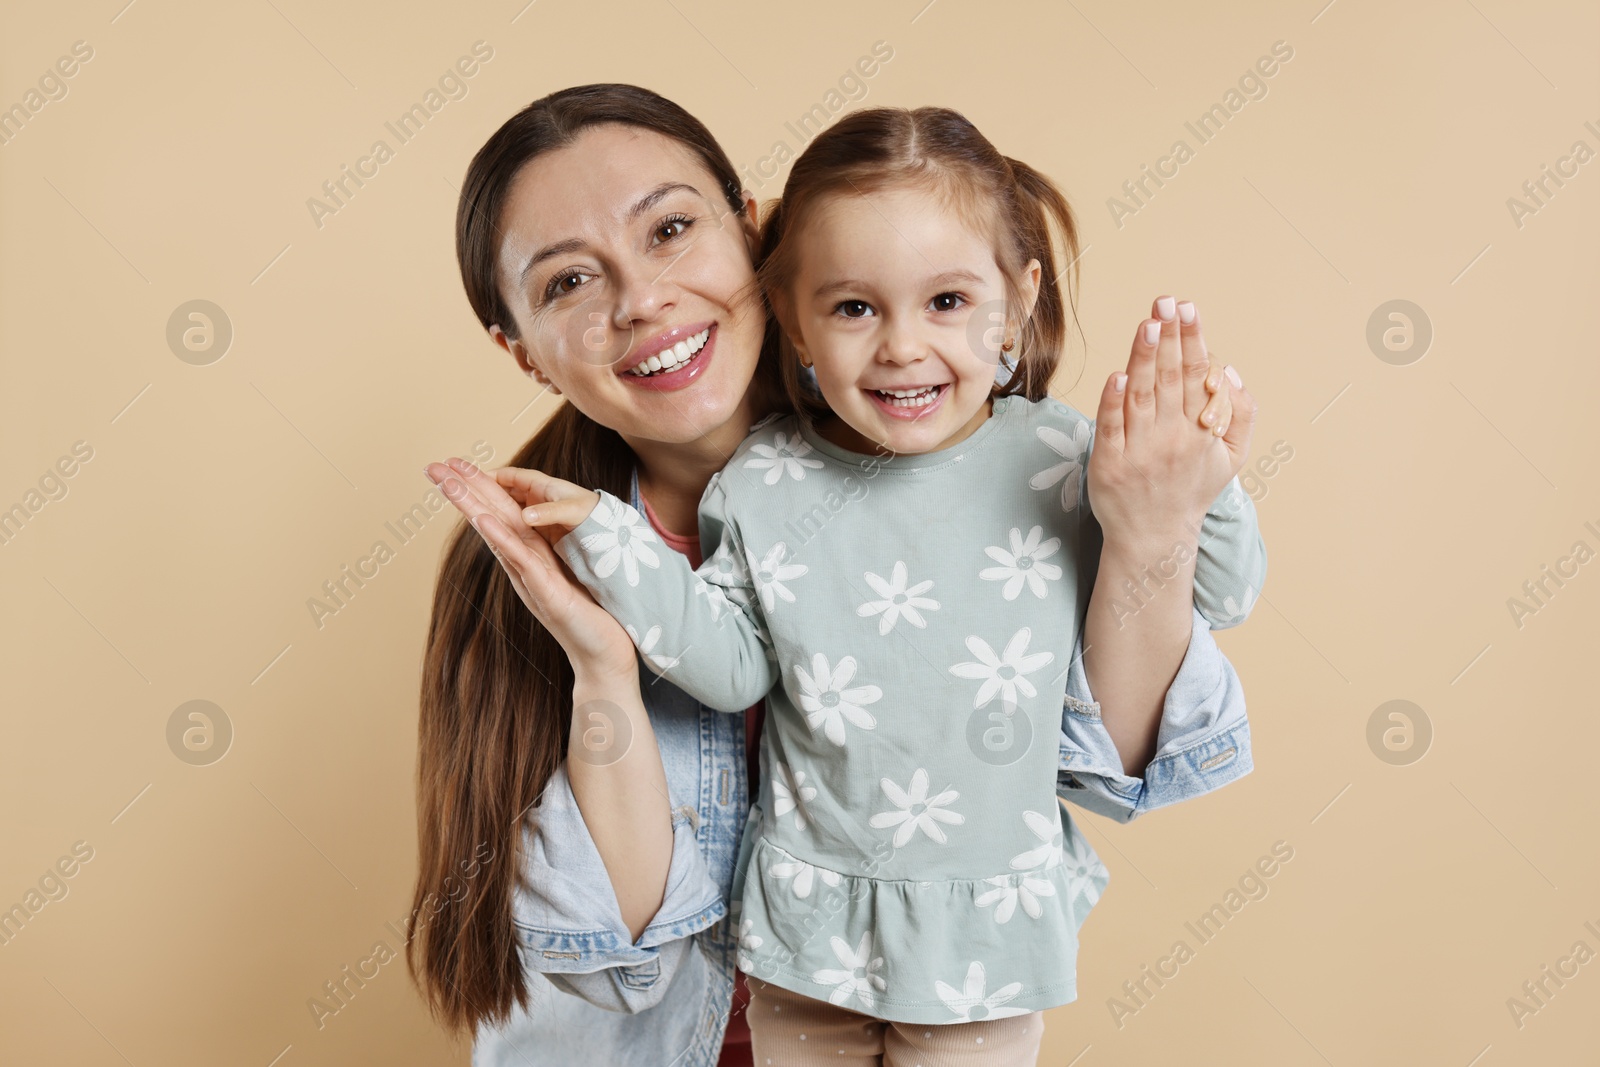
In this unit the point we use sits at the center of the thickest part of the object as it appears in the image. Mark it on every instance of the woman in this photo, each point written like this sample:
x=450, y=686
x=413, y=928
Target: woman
x=615, y=888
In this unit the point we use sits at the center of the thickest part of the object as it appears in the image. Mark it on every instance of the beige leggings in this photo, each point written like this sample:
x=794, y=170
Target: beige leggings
x=789, y=1029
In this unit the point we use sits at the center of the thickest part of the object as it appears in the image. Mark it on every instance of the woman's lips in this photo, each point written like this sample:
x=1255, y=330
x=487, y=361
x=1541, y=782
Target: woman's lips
x=909, y=414
x=679, y=376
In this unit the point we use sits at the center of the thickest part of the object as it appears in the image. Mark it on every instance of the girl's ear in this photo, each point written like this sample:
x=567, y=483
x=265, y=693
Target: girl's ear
x=1029, y=286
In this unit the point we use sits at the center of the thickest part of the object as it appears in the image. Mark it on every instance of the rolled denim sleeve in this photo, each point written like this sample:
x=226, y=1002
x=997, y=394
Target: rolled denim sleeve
x=1203, y=742
x=568, y=922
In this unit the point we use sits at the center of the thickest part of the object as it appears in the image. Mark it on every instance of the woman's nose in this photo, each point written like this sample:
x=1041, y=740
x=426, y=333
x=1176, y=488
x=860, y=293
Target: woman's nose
x=644, y=292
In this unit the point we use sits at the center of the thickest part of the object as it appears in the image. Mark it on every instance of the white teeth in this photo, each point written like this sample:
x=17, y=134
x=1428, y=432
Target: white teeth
x=909, y=398
x=670, y=358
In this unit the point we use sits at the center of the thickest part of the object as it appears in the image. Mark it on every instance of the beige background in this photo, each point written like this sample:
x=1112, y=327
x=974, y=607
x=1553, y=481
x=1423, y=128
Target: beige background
x=219, y=498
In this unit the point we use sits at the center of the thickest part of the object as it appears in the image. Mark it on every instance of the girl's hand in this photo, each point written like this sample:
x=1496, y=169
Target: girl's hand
x=586, y=631
x=553, y=507
x=1155, y=469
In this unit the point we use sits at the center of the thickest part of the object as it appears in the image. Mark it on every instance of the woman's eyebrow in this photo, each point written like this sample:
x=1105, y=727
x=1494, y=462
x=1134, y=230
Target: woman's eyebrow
x=656, y=195
x=560, y=248
x=573, y=244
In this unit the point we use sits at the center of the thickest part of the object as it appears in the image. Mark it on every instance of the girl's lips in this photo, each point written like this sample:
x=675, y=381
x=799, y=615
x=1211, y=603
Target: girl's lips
x=908, y=414
x=678, y=377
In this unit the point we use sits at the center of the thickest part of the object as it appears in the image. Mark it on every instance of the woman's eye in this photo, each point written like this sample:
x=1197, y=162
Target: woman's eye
x=673, y=228
x=853, y=309
x=947, y=301
x=565, y=282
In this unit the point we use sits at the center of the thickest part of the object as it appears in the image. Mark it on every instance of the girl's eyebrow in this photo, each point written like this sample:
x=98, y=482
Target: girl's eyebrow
x=573, y=244
x=943, y=278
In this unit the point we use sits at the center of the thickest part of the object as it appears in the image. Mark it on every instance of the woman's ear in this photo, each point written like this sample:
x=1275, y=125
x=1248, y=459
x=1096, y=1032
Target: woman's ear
x=750, y=222
x=519, y=352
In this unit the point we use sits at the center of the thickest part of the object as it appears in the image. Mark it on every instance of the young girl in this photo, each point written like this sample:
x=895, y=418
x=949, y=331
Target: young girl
x=906, y=567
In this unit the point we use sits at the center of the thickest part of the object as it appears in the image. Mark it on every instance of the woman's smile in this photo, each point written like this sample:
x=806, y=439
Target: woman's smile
x=673, y=359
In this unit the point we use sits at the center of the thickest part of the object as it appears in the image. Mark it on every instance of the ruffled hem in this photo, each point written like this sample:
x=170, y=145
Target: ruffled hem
x=934, y=952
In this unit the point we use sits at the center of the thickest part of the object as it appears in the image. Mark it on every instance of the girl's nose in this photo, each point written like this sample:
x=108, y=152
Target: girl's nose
x=902, y=345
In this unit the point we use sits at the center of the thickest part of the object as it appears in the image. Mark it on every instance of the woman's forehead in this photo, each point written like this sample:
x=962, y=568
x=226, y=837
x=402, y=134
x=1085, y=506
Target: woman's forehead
x=602, y=176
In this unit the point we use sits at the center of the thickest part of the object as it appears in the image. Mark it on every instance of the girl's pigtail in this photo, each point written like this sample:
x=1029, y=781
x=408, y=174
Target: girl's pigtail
x=1041, y=206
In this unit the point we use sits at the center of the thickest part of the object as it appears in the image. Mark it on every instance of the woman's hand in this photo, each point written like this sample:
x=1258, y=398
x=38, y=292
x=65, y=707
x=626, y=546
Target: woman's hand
x=1156, y=467
x=586, y=631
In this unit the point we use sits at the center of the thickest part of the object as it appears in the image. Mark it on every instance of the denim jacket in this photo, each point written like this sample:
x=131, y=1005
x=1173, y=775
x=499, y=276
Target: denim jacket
x=663, y=1000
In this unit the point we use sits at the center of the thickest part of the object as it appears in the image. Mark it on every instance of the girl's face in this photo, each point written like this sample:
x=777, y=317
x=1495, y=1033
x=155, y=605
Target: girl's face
x=897, y=302
x=632, y=286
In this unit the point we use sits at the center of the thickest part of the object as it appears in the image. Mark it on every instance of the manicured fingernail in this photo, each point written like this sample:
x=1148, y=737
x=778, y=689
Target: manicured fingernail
x=1164, y=308
x=477, y=523
x=1233, y=376
x=1219, y=430
x=530, y=515
x=1152, y=332
x=1120, y=382
x=1186, y=312
x=1208, y=417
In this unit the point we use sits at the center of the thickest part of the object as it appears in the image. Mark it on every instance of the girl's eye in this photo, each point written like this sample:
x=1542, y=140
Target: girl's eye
x=853, y=309
x=565, y=282
x=947, y=301
x=673, y=228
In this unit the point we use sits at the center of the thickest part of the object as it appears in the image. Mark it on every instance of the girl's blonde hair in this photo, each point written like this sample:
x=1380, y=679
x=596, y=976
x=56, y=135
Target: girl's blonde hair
x=938, y=148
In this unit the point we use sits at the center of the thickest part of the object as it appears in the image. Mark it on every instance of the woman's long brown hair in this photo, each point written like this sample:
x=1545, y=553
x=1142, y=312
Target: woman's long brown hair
x=939, y=149
x=496, y=699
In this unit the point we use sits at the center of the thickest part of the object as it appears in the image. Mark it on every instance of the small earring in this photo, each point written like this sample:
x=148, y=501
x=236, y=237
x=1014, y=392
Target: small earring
x=804, y=362
x=1008, y=346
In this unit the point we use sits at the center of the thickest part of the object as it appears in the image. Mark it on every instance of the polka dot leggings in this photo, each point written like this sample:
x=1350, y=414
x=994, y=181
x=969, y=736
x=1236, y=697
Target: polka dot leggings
x=789, y=1029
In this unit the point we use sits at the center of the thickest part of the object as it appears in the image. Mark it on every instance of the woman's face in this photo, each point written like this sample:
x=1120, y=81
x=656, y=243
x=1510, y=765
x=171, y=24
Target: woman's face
x=632, y=285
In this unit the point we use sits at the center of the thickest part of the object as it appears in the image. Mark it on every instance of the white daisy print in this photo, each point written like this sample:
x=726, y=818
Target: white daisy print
x=770, y=572
x=804, y=875
x=748, y=942
x=1048, y=830
x=1086, y=871
x=859, y=978
x=1010, y=889
x=917, y=810
x=970, y=1004
x=790, y=793
x=715, y=598
x=783, y=456
x=828, y=703
x=1070, y=470
x=626, y=540
x=898, y=601
x=647, y=647
x=726, y=568
x=1002, y=675
x=1234, y=609
x=1024, y=564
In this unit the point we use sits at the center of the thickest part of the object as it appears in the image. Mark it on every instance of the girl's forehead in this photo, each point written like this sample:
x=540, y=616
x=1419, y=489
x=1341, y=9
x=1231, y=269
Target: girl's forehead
x=908, y=227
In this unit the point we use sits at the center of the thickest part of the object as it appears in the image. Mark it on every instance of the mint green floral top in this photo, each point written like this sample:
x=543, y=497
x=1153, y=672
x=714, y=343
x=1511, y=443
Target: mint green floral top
x=911, y=621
